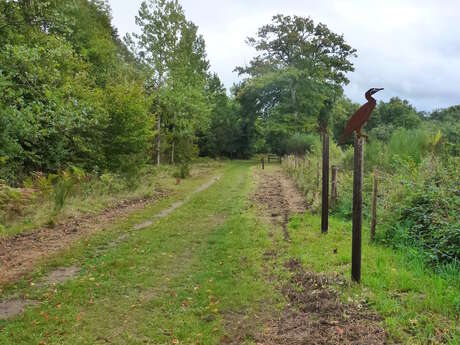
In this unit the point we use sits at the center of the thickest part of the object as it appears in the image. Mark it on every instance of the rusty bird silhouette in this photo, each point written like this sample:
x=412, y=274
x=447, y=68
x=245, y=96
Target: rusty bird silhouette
x=356, y=122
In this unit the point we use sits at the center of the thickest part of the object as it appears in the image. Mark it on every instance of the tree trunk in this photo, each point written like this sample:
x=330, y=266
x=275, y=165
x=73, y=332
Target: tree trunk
x=159, y=140
x=325, y=191
x=172, y=152
x=357, y=218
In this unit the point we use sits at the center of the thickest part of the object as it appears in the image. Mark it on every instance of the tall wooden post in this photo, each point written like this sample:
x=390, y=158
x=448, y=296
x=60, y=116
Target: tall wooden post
x=357, y=219
x=325, y=189
x=263, y=163
x=374, y=208
x=334, y=193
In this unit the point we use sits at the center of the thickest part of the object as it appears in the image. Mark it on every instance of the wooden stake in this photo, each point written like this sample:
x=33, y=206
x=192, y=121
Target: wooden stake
x=325, y=191
x=374, y=208
x=263, y=163
x=334, y=194
x=357, y=219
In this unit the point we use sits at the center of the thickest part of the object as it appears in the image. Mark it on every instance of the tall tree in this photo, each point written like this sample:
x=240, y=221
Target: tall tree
x=300, y=64
x=162, y=23
x=60, y=61
x=188, y=105
x=175, y=55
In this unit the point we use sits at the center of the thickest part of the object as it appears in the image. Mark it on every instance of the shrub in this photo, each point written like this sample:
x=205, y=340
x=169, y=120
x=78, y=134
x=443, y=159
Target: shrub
x=10, y=200
x=429, y=213
x=112, y=183
x=183, y=171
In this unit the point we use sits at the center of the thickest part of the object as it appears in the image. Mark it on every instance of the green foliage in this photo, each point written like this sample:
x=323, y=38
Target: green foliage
x=224, y=134
x=183, y=171
x=299, y=144
x=292, y=84
x=448, y=120
x=65, y=184
x=403, y=146
x=428, y=216
x=111, y=183
x=418, y=190
x=395, y=113
x=174, y=56
x=57, y=106
x=10, y=201
x=128, y=133
x=62, y=191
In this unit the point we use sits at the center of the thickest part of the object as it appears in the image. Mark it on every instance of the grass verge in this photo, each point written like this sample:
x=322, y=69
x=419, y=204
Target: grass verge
x=419, y=306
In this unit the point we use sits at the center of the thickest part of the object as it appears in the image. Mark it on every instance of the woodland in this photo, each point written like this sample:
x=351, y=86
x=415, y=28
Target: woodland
x=85, y=113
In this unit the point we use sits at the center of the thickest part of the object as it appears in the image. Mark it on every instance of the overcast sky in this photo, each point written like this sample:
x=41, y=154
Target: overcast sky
x=409, y=47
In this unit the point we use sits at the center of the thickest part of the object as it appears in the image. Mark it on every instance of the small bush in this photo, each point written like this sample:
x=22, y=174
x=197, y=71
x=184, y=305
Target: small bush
x=62, y=190
x=183, y=171
x=11, y=201
x=112, y=183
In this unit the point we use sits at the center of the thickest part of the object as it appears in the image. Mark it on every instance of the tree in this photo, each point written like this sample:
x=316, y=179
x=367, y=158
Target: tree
x=388, y=116
x=60, y=61
x=296, y=78
x=223, y=137
x=175, y=56
x=187, y=102
x=161, y=23
x=299, y=66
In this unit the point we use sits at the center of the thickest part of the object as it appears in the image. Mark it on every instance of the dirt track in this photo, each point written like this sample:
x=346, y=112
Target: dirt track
x=19, y=254
x=314, y=313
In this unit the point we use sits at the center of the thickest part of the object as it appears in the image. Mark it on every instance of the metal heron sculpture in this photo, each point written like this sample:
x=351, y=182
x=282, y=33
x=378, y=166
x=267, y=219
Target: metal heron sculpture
x=356, y=122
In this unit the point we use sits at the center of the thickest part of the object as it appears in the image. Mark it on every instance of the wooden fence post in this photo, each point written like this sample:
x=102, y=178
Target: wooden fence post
x=357, y=218
x=325, y=189
x=263, y=163
x=334, y=194
x=374, y=208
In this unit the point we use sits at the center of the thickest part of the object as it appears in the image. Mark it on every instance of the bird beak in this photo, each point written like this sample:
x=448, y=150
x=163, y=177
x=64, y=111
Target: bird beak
x=379, y=89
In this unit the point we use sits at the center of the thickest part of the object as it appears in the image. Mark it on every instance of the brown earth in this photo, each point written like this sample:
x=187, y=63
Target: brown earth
x=14, y=307
x=20, y=253
x=314, y=313
x=278, y=198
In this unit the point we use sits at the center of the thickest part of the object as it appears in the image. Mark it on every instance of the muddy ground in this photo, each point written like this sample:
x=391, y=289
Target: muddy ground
x=314, y=313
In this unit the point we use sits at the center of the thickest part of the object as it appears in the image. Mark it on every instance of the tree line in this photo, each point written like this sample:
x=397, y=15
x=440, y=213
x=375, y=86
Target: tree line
x=73, y=93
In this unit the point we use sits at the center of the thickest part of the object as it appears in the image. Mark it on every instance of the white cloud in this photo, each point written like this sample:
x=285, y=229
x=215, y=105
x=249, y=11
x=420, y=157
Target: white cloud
x=412, y=47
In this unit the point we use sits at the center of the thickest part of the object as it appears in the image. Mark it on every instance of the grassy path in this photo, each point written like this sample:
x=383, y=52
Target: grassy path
x=219, y=269
x=170, y=282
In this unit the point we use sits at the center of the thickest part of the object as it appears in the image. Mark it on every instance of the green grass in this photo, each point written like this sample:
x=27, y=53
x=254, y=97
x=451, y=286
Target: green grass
x=95, y=195
x=419, y=306
x=175, y=282
x=192, y=276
